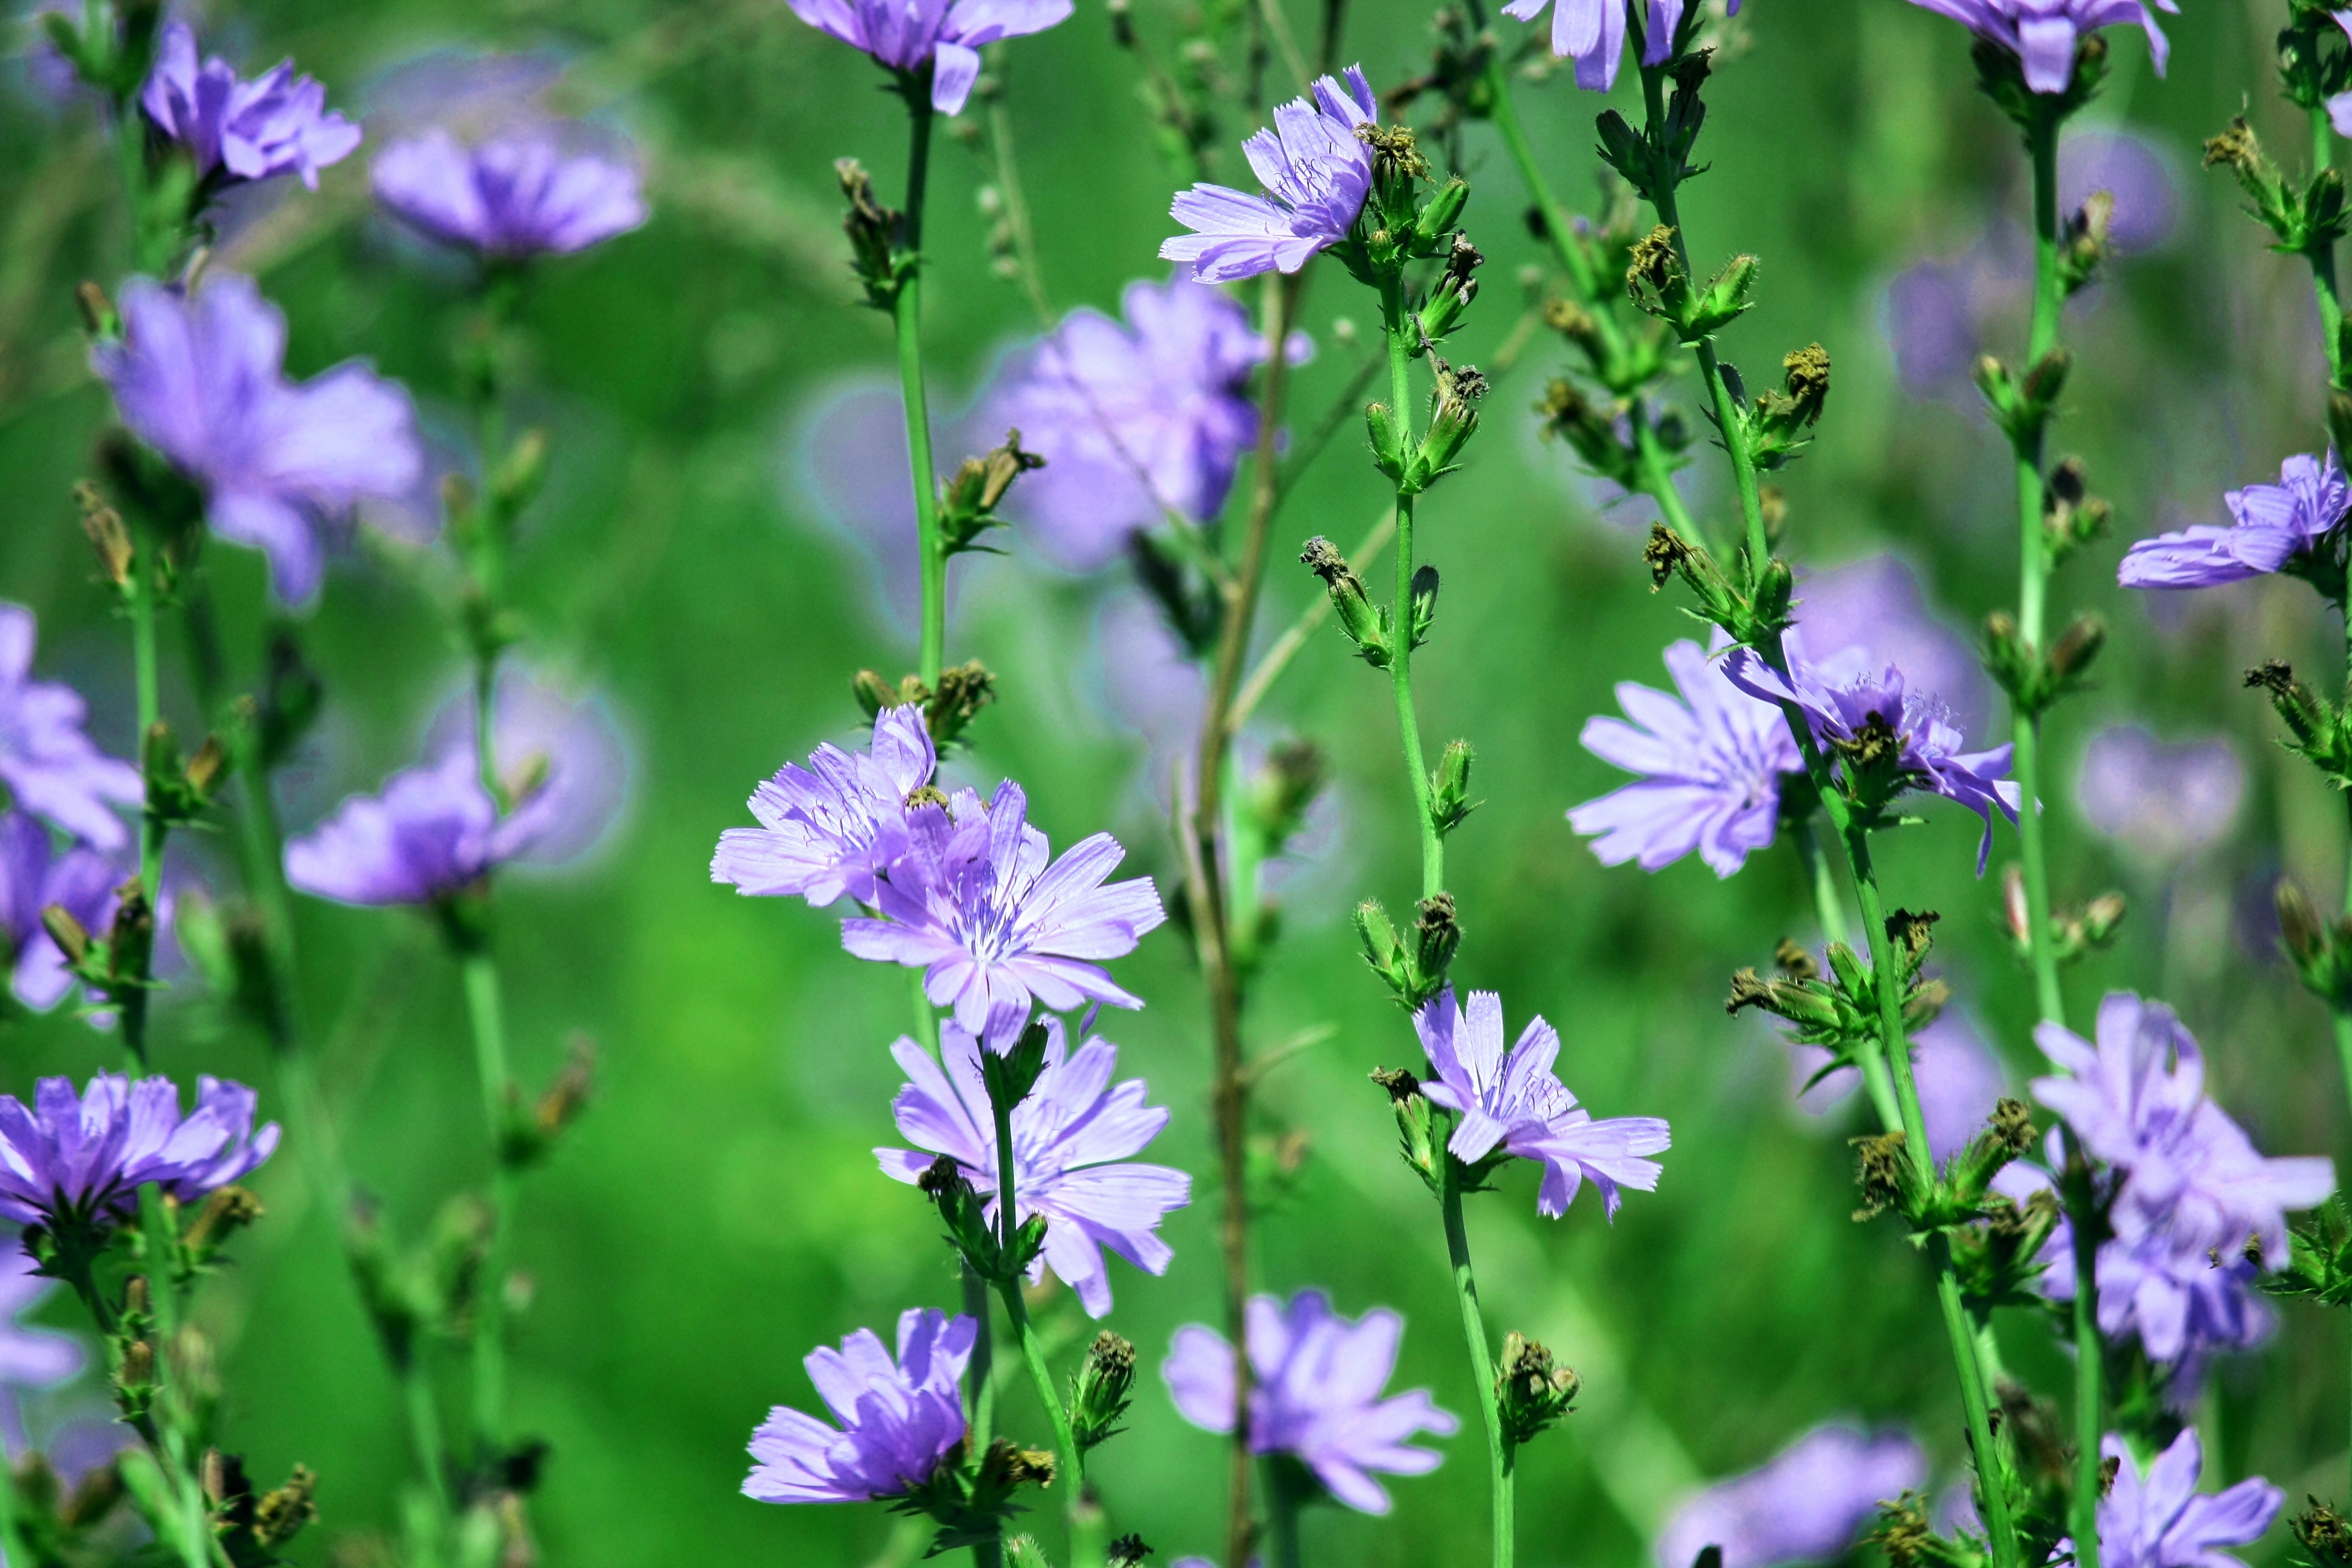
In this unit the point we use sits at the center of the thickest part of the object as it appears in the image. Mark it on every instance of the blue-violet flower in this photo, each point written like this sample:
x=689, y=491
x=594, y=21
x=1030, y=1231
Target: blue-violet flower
x=898, y=1419
x=2158, y=1520
x=433, y=832
x=516, y=195
x=79, y=1160
x=2271, y=528
x=34, y=878
x=1315, y=173
x=2043, y=34
x=1805, y=1504
x=830, y=829
x=277, y=123
x=1592, y=34
x=51, y=768
x=949, y=34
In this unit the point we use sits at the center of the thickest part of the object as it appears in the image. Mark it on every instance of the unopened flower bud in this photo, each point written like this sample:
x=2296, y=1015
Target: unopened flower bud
x=2078, y=644
x=1358, y=616
x=1449, y=786
x=1443, y=210
x=229, y=1210
x=1422, y=598
x=2101, y=916
x=107, y=535
x=1104, y=1387
x=2299, y=923
x=282, y=1512
x=67, y=931
x=1437, y=933
x=1531, y=1394
x=1387, y=443
x=2016, y=910
x=2047, y=378
x=1401, y=1085
x=98, y=317
x=1128, y=1552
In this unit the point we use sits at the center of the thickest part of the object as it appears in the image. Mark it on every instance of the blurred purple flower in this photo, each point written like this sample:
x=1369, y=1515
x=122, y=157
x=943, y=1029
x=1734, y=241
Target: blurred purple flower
x=1960, y=1081
x=1592, y=34
x=275, y=124
x=1874, y=606
x=518, y=195
x=79, y=1160
x=1135, y=420
x=1315, y=174
x=1315, y=1394
x=433, y=832
x=975, y=905
x=570, y=742
x=1939, y=314
x=948, y=34
x=1520, y=1104
x=2271, y=526
x=1071, y=1142
x=30, y=1358
x=472, y=94
x=2160, y=800
x=281, y=466
x=2158, y=1520
x=2129, y=168
x=1805, y=1504
x=46, y=762
x=1711, y=764
x=829, y=830
x=2182, y=1303
x=2043, y=34
x=1151, y=683
x=898, y=1420
x=33, y=877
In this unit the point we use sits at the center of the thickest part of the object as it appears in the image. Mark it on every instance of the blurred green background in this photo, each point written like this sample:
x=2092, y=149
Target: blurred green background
x=718, y=1212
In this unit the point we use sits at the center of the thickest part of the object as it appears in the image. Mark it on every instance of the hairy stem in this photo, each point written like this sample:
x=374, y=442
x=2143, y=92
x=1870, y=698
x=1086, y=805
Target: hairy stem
x=485, y=1008
x=906, y=316
x=1432, y=848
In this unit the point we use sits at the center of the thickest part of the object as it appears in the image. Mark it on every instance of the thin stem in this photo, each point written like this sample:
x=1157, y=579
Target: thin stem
x=1830, y=912
x=1482, y=1362
x=146, y=665
x=424, y=1435
x=1070, y=1463
x=906, y=316
x=1283, y=1509
x=2323, y=256
x=1432, y=846
x=486, y=1010
x=1278, y=657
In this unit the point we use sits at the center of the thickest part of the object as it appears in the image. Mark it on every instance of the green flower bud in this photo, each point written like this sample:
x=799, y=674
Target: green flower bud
x=1101, y=1391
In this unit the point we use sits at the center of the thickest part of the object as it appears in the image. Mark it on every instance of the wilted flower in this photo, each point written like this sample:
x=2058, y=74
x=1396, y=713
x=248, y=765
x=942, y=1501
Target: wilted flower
x=1071, y=1141
x=79, y=1160
x=1592, y=34
x=1519, y=1104
x=34, y=878
x=1805, y=1504
x=2271, y=526
x=1315, y=1394
x=518, y=195
x=2158, y=1520
x=281, y=466
x=47, y=762
x=1316, y=174
x=949, y=35
x=830, y=829
x=898, y=1419
x=277, y=123
x=2043, y=34
x=2159, y=799
x=433, y=832
x=1712, y=766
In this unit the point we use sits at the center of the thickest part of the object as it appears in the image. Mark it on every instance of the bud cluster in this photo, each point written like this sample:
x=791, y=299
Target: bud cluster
x=1753, y=607
x=2306, y=221
x=1371, y=626
x=971, y=1501
x=2319, y=730
x=964, y=690
x=1413, y=970
x=1531, y=1393
x=1839, y=1011
x=878, y=237
x=1656, y=159
x=968, y=497
x=2020, y=406
x=2033, y=680
x=2075, y=931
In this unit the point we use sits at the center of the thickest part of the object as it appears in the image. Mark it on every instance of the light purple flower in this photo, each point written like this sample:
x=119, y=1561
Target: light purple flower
x=568, y=740
x=1941, y=313
x=46, y=762
x=1517, y=1102
x=1071, y=1142
x=975, y=905
x=1805, y=1504
x=1592, y=34
x=2271, y=526
x=1711, y=764
x=2183, y=1303
x=281, y=466
x=1315, y=1394
x=519, y=194
x=950, y=34
x=1316, y=174
x=1135, y=419
x=830, y=829
x=277, y=123
x=82, y=1159
x=1841, y=703
x=433, y=832
x=33, y=877
x=2137, y=172
x=2158, y=1520
x=2042, y=34
x=1869, y=613
x=2161, y=800
x=898, y=1419
x=31, y=1357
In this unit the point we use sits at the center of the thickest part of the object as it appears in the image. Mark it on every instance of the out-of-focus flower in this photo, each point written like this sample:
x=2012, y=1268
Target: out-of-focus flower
x=1519, y=1104
x=2158, y=1520
x=1316, y=174
x=1592, y=34
x=30, y=1358
x=2042, y=34
x=281, y=466
x=1872, y=611
x=51, y=768
x=1711, y=764
x=1135, y=419
x=2135, y=170
x=829, y=830
x=1939, y=314
x=1805, y=1504
x=1071, y=1141
x=975, y=904
x=568, y=741
x=2160, y=800
x=898, y=1419
x=433, y=832
x=278, y=123
x=34, y=878
x=473, y=94
x=949, y=35
x=1960, y=1081
x=71, y=1159
x=2182, y=1303
x=2271, y=526
x=1315, y=1394
x=518, y=195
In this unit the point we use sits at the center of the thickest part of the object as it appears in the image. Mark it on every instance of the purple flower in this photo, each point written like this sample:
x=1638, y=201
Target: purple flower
x=2137, y=172
x=33, y=877
x=1315, y=174
x=1135, y=420
x=1592, y=34
x=1071, y=1139
x=281, y=466
x=2271, y=527
x=81, y=1159
x=2163, y=801
x=1850, y=711
x=898, y=1419
x=1940, y=314
x=1870, y=611
x=1805, y=1504
x=46, y=762
x=2042, y=34
x=1519, y=1104
x=570, y=742
x=232, y=130
x=433, y=832
x=904, y=34
x=829, y=830
x=975, y=903
x=30, y=1358
x=2182, y=1303
x=516, y=195
x=2158, y=1520
x=1315, y=1394
x=1711, y=766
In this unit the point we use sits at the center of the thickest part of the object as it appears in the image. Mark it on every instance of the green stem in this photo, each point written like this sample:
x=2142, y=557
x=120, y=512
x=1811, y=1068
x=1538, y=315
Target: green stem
x=1070, y=1463
x=1432, y=848
x=1830, y=912
x=424, y=1435
x=1482, y=1360
x=906, y=316
x=12, y=1537
x=147, y=673
x=1284, y=1505
x=485, y=1009
x=2323, y=256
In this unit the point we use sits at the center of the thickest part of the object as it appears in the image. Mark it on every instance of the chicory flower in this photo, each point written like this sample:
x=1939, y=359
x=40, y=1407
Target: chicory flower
x=516, y=195
x=2044, y=34
x=35, y=878
x=2157, y=1519
x=900, y=1419
x=1805, y=1504
x=1317, y=173
x=433, y=832
x=73, y=1160
x=906, y=35
x=2271, y=528
x=47, y=764
x=277, y=123
x=829, y=830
